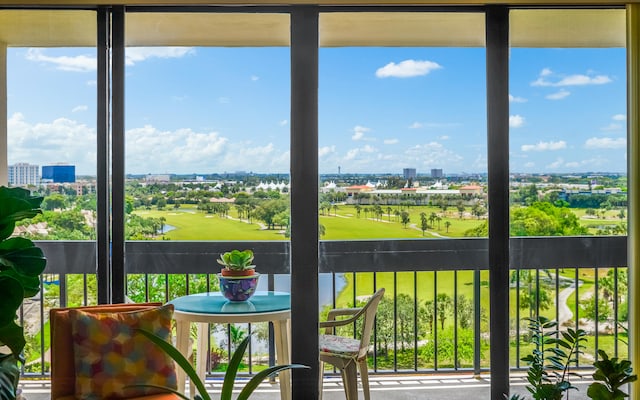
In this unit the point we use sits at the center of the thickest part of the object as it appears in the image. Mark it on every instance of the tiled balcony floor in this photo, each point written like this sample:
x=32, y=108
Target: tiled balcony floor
x=386, y=387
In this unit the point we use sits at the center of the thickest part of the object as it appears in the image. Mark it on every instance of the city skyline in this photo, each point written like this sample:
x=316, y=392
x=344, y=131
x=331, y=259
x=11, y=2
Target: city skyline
x=216, y=110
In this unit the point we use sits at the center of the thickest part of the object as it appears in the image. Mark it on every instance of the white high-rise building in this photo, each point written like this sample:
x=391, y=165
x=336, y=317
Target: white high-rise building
x=23, y=174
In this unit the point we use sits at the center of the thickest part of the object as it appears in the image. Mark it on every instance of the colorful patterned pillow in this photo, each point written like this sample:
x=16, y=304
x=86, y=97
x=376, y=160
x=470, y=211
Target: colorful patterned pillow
x=110, y=355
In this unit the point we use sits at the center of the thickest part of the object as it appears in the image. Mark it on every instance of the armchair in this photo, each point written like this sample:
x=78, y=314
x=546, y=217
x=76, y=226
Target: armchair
x=63, y=367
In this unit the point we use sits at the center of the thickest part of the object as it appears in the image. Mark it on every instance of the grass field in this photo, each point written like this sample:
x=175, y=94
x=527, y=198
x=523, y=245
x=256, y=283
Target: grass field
x=344, y=223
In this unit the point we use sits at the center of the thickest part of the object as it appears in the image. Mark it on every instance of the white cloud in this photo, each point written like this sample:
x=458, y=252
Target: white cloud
x=351, y=154
x=416, y=125
x=80, y=63
x=369, y=149
x=444, y=137
x=611, y=127
x=180, y=147
x=572, y=164
x=92, y=82
x=558, y=95
x=515, y=99
x=619, y=117
x=432, y=154
x=407, y=69
x=61, y=140
x=516, y=121
x=254, y=78
x=224, y=100
x=149, y=149
x=530, y=164
x=283, y=122
x=88, y=63
x=135, y=55
x=544, y=146
x=79, y=108
x=570, y=80
x=556, y=164
x=358, y=132
x=390, y=141
x=323, y=151
x=605, y=143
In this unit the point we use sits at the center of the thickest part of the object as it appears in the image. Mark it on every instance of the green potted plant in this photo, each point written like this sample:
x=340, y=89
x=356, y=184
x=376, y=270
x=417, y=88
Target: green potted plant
x=21, y=263
x=229, y=376
x=549, y=362
x=610, y=375
x=237, y=263
x=238, y=279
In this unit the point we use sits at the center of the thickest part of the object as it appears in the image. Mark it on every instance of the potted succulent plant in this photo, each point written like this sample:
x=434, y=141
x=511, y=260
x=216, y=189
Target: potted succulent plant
x=21, y=264
x=237, y=263
x=238, y=279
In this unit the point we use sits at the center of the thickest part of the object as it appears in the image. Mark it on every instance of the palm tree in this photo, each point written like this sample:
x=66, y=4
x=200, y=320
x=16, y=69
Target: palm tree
x=389, y=209
x=447, y=224
x=358, y=209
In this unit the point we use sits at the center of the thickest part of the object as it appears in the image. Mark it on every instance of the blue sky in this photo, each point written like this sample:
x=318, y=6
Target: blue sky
x=204, y=110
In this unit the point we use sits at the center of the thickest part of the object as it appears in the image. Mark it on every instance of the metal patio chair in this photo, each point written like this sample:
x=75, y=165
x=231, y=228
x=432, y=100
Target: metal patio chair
x=345, y=353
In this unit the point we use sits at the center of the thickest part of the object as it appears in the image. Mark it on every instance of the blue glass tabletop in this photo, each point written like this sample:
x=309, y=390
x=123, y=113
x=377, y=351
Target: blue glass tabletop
x=216, y=303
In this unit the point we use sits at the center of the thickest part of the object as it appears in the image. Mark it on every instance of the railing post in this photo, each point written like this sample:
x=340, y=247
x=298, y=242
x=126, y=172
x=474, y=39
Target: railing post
x=497, y=35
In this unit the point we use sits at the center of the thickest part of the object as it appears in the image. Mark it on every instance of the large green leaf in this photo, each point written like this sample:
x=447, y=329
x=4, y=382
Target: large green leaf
x=9, y=375
x=23, y=261
x=17, y=204
x=232, y=369
x=12, y=295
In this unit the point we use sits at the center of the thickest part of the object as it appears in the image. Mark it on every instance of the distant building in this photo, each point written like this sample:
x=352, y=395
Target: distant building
x=24, y=174
x=436, y=173
x=59, y=173
x=409, y=173
x=162, y=178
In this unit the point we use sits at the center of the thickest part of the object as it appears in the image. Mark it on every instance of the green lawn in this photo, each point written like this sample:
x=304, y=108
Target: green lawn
x=191, y=224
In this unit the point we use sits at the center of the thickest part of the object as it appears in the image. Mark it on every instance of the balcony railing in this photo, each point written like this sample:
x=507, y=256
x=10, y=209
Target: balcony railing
x=427, y=281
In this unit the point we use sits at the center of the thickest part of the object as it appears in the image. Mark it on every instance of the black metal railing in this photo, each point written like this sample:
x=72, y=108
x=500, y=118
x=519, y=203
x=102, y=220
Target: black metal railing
x=437, y=291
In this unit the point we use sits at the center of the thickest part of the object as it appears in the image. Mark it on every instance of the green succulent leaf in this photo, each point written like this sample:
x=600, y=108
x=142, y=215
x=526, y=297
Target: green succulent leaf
x=237, y=260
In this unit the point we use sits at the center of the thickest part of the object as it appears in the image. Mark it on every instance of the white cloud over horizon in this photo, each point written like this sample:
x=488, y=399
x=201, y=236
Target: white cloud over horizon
x=407, y=69
x=544, y=146
x=148, y=149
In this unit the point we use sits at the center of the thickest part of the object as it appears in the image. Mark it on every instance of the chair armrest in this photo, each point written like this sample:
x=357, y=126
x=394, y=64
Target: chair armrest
x=341, y=311
x=332, y=322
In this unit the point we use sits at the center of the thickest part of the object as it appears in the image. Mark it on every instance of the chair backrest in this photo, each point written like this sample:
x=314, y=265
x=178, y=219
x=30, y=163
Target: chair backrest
x=63, y=373
x=369, y=311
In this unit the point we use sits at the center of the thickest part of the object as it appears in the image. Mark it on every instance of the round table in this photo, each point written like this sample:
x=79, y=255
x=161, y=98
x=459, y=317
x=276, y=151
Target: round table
x=213, y=308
